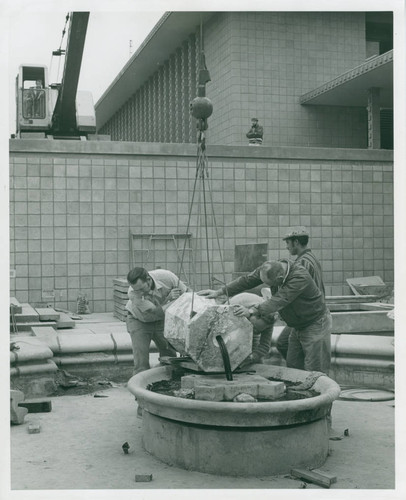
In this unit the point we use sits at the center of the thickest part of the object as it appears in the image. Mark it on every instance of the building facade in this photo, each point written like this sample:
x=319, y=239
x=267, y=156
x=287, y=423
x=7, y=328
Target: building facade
x=313, y=79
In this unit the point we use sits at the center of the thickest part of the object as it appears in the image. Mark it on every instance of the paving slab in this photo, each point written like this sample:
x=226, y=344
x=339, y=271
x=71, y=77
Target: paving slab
x=28, y=314
x=65, y=321
x=47, y=314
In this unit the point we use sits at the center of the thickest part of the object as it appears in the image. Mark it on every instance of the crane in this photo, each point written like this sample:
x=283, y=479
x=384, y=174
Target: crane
x=56, y=110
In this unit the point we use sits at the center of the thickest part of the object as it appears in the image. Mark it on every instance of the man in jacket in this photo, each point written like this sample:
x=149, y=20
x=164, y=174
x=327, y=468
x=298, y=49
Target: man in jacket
x=296, y=244
x=300, y=304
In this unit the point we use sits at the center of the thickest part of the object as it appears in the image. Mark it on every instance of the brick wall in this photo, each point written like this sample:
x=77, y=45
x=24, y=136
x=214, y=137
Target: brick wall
x=72, y=205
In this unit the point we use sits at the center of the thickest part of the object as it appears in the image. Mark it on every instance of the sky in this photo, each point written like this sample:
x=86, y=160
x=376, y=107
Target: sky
x=106, y=51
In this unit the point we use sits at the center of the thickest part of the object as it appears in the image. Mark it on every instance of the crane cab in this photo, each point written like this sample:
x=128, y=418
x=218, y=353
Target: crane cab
x=34, y=113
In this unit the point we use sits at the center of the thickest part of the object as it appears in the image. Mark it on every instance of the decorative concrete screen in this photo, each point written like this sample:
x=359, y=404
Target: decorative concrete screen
x=195, y=334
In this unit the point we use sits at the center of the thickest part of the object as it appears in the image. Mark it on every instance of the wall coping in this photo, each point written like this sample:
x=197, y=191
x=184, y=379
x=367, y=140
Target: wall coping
x=125, y=148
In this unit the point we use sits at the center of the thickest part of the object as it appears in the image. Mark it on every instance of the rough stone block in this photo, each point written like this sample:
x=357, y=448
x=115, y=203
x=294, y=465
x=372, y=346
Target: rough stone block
x=188, y=381
x=34, y=428
x=143, y=478
x=271, y=390
x=194, y=332
x=232, y=390
x=217, y=388
x=209, y=392
x=17, y=414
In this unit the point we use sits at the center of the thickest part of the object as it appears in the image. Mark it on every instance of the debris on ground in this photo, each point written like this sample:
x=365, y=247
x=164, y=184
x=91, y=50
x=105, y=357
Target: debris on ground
x=37, y=405
x=244, y=398
x=143, y=478
x=34, y=428
x=17, y=414
x=315, y=476
x=184, y=393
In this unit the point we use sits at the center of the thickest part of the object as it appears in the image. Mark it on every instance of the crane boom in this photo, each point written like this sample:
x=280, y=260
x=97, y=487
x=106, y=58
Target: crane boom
x=64, y=116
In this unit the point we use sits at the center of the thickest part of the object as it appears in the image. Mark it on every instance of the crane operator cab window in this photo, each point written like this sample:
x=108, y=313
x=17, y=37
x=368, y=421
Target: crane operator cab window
x=33, y=99
x=33, y=90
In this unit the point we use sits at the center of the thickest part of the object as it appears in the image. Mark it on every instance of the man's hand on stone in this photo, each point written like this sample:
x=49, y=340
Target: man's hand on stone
x=210, y=294
x=174, y=294
x=241, y=311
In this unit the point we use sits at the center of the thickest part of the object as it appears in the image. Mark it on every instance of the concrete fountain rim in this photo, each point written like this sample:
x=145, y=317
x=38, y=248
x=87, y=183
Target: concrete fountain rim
x=230, y=413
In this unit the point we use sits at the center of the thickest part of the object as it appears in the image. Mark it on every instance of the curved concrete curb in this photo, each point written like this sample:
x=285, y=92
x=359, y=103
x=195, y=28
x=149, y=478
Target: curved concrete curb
x=363, y=360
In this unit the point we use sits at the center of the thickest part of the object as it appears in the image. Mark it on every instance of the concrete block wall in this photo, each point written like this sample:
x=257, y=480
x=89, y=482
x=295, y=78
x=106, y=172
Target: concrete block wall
x=268, y=60
x=73, y=203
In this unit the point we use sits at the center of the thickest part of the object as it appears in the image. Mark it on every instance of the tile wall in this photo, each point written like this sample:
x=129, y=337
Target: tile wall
x=71, y=215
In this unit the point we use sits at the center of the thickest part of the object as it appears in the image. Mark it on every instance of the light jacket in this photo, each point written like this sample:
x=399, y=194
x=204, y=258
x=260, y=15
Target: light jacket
x=151, y=307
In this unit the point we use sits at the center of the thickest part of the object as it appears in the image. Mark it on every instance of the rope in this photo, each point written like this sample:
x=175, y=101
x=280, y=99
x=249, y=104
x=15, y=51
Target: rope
x=202, y=173
x=60, y=47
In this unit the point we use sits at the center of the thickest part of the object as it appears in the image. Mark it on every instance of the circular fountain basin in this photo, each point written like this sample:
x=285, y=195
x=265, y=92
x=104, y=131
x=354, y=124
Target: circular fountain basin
x=237, y=439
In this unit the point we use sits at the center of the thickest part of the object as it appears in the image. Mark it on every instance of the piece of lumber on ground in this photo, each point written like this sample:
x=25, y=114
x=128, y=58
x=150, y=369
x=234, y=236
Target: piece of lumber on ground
x=37, y=405
x=315, y=476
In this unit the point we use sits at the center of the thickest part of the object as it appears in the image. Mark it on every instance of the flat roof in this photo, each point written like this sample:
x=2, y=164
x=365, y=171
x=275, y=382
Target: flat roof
x=166, y=36
x=350, y=88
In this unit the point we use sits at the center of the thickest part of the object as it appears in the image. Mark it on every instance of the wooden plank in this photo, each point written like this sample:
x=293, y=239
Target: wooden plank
x=367, y=285
x=339, y=299
x=315, y=476
x=37, y=405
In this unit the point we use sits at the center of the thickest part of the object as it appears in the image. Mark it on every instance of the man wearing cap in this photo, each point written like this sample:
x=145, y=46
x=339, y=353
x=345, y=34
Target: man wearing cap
x=300, y=304
x=297, y=240
x=255, y=133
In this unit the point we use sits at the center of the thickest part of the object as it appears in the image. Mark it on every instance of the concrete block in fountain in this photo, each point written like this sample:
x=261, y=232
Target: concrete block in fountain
x=196, y=335
x=217, y=388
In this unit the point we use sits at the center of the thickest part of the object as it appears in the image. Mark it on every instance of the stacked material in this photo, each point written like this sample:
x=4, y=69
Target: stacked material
x=120, y=298
x=23, y=317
